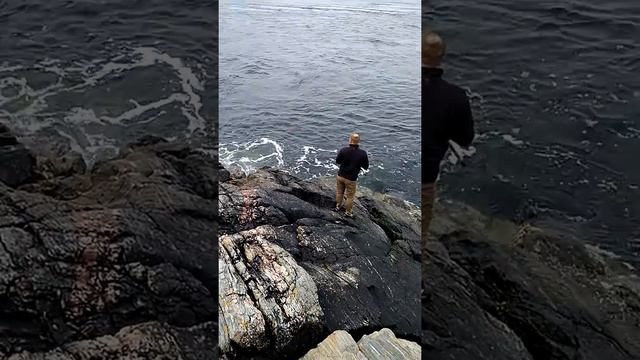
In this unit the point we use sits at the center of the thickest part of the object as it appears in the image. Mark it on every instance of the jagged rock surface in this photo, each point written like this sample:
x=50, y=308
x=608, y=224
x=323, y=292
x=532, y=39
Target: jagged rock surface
x=84, y=254
x=380, y=345
x=366, y=270
x=138, y=342
x=286, y=311
x=499, y=291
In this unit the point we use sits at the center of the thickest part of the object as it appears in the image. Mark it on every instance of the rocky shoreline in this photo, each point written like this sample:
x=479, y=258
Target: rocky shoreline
x=120, y=259
x=107, y=261
x=292, y=271
x=504, y=291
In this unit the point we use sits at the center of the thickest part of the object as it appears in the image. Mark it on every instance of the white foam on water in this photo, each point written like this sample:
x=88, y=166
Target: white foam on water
x=189, y=82
x=32, y=99
x=29, y=110
x=598, y=251
x=316, y=162
x=139, y=57
x=317, y=159
x=93, y=143
x=608, y=185
x=303, y=158
x=248, y=157
x=452, y=158
x=311, y=163
x=512, y=140
x=591, y=123
x=278, y=154
x=12, y=82
x=139, y=109
x=9, y=68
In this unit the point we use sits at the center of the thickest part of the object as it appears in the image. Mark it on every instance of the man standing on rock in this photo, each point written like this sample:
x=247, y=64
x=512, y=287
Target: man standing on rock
x=446, y=116
x=351, y=159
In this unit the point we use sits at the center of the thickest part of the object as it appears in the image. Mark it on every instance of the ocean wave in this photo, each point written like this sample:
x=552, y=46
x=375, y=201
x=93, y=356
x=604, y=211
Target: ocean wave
x=126, y=96
x=306, y=161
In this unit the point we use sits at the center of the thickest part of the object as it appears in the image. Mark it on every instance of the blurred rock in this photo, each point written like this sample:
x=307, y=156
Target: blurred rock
x=365, y=271
x=498, y=290
x=16, y=162
x=144, y=341
x=117, y=258
x=380, y=345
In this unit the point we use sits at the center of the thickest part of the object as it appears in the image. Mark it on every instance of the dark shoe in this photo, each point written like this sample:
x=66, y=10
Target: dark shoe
x=349, y=214
x=336, y=209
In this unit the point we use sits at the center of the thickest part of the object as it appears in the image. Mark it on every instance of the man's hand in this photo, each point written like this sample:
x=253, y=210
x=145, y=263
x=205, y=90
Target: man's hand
x=457, y=154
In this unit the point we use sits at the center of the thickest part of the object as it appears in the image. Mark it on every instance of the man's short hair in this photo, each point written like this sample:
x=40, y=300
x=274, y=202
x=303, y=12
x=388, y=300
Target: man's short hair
x=354, y=138
x=433, y=49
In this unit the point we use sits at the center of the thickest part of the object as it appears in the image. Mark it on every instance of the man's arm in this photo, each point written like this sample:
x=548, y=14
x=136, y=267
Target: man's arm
x=339, y=157
x=365, y=162
x=464, y=128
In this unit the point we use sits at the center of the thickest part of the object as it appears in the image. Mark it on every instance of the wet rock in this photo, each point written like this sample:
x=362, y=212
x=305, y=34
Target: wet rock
x=266, y=299
x=130, y=243
x=236, y=172
x=58, y=159
x=380, y=345
x=6, y=138
x=16, y=162
x=223, y=174
x=502, y=291
x=365, y=269
x=143, y=341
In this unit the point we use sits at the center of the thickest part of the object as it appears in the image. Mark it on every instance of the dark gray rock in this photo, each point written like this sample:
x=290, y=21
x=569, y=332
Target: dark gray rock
x=502, y=291
x=272, y=304
x=55, y=156
x=236, y=172
x=380, y=345
x=85, y=255
x=16, y=162
x=366, y=270
x=150, y=340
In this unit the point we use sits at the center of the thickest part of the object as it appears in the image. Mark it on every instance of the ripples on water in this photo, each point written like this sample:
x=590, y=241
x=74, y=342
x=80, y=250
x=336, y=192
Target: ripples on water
x=296, y=77
x=556, y=94
x=102, y=74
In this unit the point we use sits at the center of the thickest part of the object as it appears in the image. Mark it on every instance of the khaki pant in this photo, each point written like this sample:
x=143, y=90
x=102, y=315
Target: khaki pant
x=348, y=188
x=428, y=199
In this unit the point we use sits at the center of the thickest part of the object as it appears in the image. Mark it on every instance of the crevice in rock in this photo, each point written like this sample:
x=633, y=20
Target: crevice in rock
x=318, y=199
x=328, y=239
x=524, y=312
x=254, y=298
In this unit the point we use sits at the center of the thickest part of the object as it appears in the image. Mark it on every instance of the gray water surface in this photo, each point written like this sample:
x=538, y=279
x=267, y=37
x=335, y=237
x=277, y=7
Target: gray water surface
x=101, y=74
x=297, y=77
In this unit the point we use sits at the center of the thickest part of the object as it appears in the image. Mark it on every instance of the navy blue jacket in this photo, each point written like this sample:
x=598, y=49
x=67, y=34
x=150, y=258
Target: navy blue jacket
x=446, y=115
x=351, y=159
